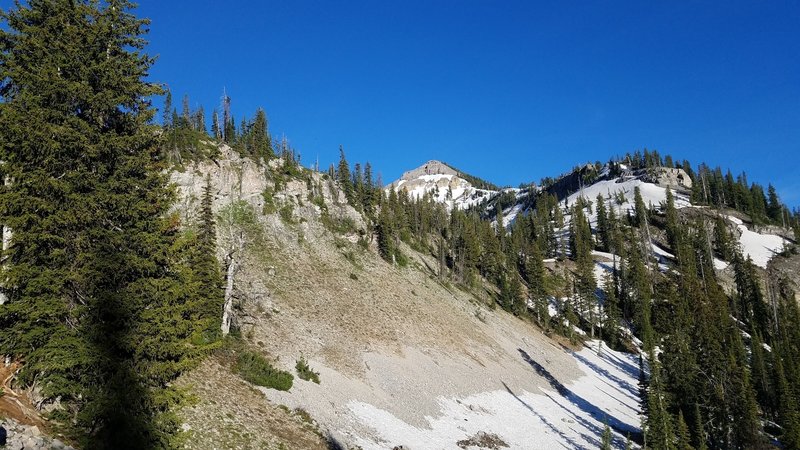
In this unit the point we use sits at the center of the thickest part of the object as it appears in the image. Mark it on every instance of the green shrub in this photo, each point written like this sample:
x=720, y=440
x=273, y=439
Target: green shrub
x=339, y=225
x=305, y=372
x=286, y=213
x=269, y=200
x=255, y=369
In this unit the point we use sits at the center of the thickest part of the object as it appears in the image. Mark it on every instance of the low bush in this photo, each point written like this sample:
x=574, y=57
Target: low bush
x=305, y=372
x=255, y=369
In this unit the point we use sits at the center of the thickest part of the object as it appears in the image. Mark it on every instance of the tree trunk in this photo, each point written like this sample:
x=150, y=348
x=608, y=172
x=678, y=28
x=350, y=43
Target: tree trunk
x=227, y=310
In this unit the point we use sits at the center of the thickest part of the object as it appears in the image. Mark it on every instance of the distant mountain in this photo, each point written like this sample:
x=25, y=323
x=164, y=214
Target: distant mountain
x=446, y=185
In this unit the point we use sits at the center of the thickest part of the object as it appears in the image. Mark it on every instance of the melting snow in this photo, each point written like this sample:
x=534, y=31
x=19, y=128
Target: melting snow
x=558, y=416
x=609, y=189
x=760, y=247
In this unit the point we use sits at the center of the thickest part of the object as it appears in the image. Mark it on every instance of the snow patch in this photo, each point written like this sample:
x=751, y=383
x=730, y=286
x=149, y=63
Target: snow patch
x=760, y=247
x=557, y=416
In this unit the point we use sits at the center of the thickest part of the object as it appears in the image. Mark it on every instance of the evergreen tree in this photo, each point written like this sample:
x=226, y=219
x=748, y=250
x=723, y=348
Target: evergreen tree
x=185, y=112
x=642, y=385
x=603, y=225
x=788, y=416
x=261, y=142
x=386, y=234
x=343, y=176
x=216, y=131
x=200, y=120
x=605, y=443
x=774, y=206
x=640, y=216
x=699, y=435
x=95, y=309
x=658, y=422
x=684, y=438
x=671, y=214
x=722, y=239
x=166, y=113
x=535, y=275
x=203, y=260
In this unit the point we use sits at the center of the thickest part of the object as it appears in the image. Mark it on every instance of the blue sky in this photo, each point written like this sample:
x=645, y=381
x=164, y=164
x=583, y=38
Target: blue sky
x=507, y=90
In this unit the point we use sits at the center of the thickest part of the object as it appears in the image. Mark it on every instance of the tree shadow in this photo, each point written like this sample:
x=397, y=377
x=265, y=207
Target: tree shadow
x=632, y=391
x=120, y=406
x=572, y=443
x=584, y=405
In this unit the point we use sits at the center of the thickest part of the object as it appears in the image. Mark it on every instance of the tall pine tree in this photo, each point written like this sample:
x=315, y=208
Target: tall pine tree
x=95, y=310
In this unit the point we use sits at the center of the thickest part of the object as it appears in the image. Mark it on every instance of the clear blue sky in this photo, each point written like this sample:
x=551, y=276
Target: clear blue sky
x=507, y=90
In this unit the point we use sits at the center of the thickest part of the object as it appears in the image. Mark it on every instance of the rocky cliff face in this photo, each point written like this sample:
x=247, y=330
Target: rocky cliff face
x=25, y=437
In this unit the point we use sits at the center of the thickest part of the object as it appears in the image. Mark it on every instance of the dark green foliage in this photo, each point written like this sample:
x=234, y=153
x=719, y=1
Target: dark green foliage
x=207, y=273
x=640, y=216
x=305, y=372
x=723, y=245
x=100, y=301
x=184, y=136
x=387, y=235
x=683, y=436
x=605, y=440
x=511, y=298
x=254, y=368
x=343, y=177
x=749, y=305
x=612, y=312
x=534, y=272
x=671, y=213
x=252, y=139
x=604, y=226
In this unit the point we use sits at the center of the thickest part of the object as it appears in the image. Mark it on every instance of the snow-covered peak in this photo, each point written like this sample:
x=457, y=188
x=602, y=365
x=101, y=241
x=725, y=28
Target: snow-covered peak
x=443, y=184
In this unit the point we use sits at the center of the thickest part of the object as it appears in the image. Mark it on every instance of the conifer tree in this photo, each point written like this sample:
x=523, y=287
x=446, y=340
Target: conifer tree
x=640, y=216
x=722, y=239
x=603, y=225
x=166, y=113
x=185, y=111
x=605, y=443
x=535, y=275
x=261, y=142
x=343, y=176
x=788, y=416
x=683, y=436
x=671, y=221
x=95, y=310
x=658, y=423
x=611, y=310
x=386, y=234
x=774, y=206
x=216, y=131
x=200, y=120
x=699, y=435
x=207, y=269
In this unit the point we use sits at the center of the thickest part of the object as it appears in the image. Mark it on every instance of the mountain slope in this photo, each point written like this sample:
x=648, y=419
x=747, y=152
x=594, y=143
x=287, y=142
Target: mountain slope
x=403, y=358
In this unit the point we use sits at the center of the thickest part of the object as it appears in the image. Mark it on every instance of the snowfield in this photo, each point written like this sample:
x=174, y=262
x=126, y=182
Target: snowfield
x=760, y=247
x=558, y=416
x=450, y=190
x=609, y=189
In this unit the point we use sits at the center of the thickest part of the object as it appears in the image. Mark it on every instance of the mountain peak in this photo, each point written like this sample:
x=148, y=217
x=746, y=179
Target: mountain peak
x=432, y=167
